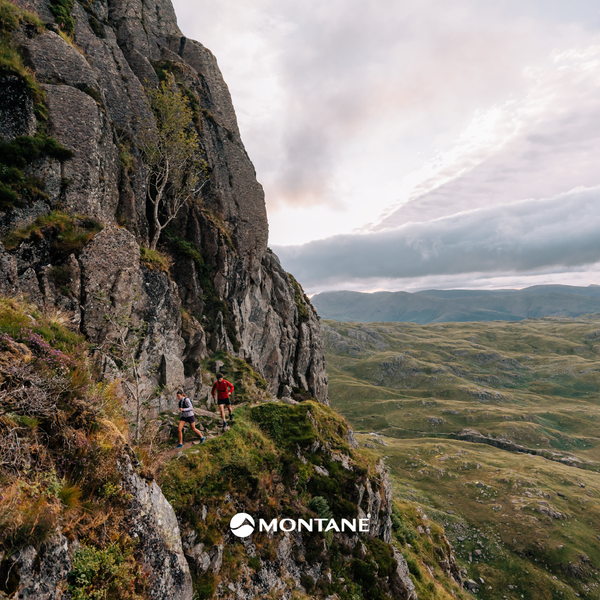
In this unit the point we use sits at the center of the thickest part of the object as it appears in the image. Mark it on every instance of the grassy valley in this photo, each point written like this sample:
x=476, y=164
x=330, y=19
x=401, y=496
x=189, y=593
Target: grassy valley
x=493, y=428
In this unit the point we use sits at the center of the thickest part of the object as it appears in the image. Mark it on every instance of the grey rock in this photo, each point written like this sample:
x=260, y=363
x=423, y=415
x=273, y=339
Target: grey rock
x=549, y=511
x=172, y=372
x=9, y=277
x=57, y=62
x=111, y=279
x=29, y=285
x=198, y=559
x=16, y=108
x=322, y=471
x=78, y=123
x=351, y=439
x=152, y=521
x=42, y=572
x=400, y=579
x=216, y=558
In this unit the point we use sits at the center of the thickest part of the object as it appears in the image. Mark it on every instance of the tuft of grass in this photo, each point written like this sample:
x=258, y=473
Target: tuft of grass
x=153, y=259
x=127, y=162
x=11, y=17
x=11, y=62
x=68, y=234
x=17, y=317
x=109, y=572
x=26, y=516
x=69, y=495
x=61, y=9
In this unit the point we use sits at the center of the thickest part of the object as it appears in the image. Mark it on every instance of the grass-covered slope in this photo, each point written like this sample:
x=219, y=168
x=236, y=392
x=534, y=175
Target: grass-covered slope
x=495, y=427
x=61, y=434
x=281, y=460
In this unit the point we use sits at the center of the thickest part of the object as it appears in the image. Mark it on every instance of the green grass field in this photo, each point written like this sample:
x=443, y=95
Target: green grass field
x=493, y=429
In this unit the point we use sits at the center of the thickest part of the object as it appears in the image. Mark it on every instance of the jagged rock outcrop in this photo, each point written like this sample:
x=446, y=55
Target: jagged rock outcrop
x=96, y=106
x=152, y=521
x=38, y=573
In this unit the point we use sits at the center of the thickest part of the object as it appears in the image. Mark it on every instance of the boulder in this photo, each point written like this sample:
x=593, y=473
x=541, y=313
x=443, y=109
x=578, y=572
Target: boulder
x=152, y=521
x=38, y=573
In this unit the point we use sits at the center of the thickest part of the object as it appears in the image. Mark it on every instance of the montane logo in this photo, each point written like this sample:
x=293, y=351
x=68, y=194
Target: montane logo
x=242, y=525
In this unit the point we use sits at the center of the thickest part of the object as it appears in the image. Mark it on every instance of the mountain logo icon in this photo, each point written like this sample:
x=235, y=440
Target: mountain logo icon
x=242, y=525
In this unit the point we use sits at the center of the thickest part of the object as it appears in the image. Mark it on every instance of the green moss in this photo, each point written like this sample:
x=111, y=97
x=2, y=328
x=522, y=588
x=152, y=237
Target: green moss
x=301, y=300
x=93, y=93
x=16, y=188
x=97, y=27
x=61, y=9
x=213, y=304
x=153, y=259
x=126, y=159
x=209, y=115
x=205, y=586
x=287, y=425
x=67, y=234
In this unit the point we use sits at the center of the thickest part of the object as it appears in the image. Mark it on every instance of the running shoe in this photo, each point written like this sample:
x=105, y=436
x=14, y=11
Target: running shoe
x=203, y=439
x=179, y=446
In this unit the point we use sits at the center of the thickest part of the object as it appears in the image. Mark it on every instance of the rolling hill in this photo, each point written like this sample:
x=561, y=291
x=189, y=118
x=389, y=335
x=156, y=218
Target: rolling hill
x=440, y=306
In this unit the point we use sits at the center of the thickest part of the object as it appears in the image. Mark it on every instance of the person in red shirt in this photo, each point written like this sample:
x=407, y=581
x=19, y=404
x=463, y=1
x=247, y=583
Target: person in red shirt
x=223, y=389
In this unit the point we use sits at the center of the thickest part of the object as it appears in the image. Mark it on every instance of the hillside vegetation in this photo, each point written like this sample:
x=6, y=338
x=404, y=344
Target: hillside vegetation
x=494, y=427
x=69, y=468
x=441, y=306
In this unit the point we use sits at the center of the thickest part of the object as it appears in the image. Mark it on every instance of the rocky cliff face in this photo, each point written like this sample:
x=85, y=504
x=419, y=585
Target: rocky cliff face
x=238, y=299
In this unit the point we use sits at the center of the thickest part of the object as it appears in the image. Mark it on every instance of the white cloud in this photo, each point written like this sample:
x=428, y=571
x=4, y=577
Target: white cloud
x=529, y=237
x=390, y=117
x=541, y=145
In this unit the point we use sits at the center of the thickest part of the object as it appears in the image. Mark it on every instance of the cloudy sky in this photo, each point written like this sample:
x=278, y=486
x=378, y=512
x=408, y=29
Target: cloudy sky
x=408, y=145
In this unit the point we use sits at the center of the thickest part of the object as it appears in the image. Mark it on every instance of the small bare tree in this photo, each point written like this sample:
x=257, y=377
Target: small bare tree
x=171, y=149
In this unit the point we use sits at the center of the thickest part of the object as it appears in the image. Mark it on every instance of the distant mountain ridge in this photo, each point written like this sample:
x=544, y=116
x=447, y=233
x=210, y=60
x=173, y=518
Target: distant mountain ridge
x=441, y=306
